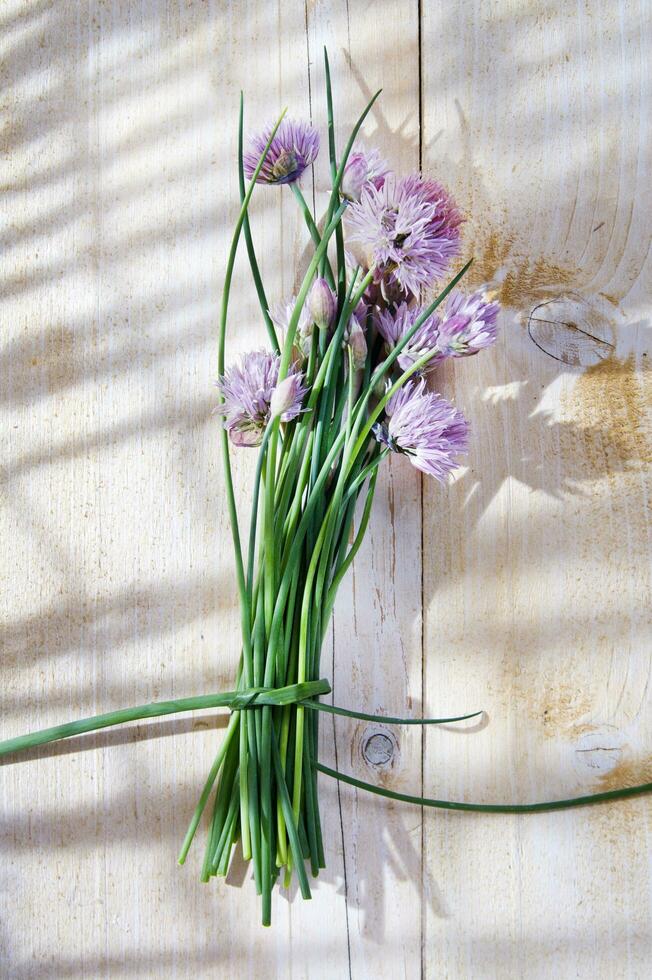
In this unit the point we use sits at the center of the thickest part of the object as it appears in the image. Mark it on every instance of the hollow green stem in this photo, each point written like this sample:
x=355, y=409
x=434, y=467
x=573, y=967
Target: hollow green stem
x=245, y=611
x=208, y=786
x=333, y=709
x=326, y=270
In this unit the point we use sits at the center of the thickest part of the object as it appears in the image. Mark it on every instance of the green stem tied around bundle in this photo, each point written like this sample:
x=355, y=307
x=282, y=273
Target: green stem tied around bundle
x=247, y=698
x=303, y=694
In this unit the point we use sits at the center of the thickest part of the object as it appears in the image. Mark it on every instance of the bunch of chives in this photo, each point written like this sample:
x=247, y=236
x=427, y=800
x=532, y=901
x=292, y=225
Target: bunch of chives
x=343, y=386
x=314, y=465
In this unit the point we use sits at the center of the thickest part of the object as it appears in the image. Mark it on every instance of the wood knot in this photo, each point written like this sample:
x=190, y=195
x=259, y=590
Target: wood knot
x=599, y=751
x=573, y=330
x=379, y=747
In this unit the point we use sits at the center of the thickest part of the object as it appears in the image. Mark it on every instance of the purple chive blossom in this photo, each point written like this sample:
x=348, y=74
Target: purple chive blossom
x=252, y=396
x=281, y=314
x=426, y=428
x=363, y=166
x=393, y=327
x=468, y=325
x=409, y=230
x=294, y=147
x=362, y=312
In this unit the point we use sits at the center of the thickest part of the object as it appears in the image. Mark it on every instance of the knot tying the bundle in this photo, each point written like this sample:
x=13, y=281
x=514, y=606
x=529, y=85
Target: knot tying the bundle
x=254, y=697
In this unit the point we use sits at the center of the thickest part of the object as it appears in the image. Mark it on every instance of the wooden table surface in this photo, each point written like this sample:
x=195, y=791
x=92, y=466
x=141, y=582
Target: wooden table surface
x=522, y=589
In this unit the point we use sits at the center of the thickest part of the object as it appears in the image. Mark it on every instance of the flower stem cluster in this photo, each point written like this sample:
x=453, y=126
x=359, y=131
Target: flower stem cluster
x=345, y=389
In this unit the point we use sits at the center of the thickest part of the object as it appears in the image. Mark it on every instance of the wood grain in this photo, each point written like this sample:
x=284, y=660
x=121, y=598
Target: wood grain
x=536, y=594
x=523, y=589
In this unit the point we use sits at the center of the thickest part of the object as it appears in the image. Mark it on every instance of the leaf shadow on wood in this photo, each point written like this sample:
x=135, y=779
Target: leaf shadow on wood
x=586, y=448
x=57, y=630
x=106, y=626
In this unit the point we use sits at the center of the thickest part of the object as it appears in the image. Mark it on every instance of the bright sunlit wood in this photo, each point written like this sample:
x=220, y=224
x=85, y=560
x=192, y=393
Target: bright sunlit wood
x=524, y=589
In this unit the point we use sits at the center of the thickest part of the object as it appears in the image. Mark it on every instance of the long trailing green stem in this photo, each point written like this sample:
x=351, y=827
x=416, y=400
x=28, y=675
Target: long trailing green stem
x=607, y=796
x=334, y=709
x=224, y=440
x=335, y=190
x=245, y=586
x=295, y=694
x=332, y=156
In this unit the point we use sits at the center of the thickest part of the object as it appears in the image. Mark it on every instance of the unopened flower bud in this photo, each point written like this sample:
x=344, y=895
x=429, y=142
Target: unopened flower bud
x=354, y=177
x=322, y=304
x=284, y=395
x=381, y=387
x=358, y=344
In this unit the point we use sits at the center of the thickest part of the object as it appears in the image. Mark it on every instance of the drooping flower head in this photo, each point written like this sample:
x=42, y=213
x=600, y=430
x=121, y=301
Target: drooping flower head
x=426, y=428
x=362, y=167
x=393, y=326
x=294, y=147
x=409, y=230
x=250, y=388
x=469, y=323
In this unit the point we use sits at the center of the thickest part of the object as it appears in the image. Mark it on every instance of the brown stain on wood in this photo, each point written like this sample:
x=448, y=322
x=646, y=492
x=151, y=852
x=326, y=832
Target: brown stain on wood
x=48, y=363
x=561, y=708
x=525, y=279
x=628, y=772
x=60, y=361
x=615, y=398
x=617, y=822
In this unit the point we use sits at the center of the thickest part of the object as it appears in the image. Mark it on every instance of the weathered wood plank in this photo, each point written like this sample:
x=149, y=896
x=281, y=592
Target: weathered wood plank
x=119, y=172
x=377, y=626
x=119, y=189
x=537, y=582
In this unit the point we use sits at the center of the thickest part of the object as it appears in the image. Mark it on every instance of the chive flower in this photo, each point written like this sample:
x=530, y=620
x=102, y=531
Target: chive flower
x=393, y=325
x=362, y=167
x=294, y=147
x=281, y=314
x=409, y=231
x=252, y=396
x=469, y=324
x=425, y=427
x=355, y=339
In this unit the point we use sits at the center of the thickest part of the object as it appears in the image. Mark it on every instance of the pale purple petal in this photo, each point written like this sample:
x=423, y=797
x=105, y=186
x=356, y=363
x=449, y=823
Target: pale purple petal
x=322, y=304
x=281, y=314
x=394, y=325
x=362, y=167
x=469, y=323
